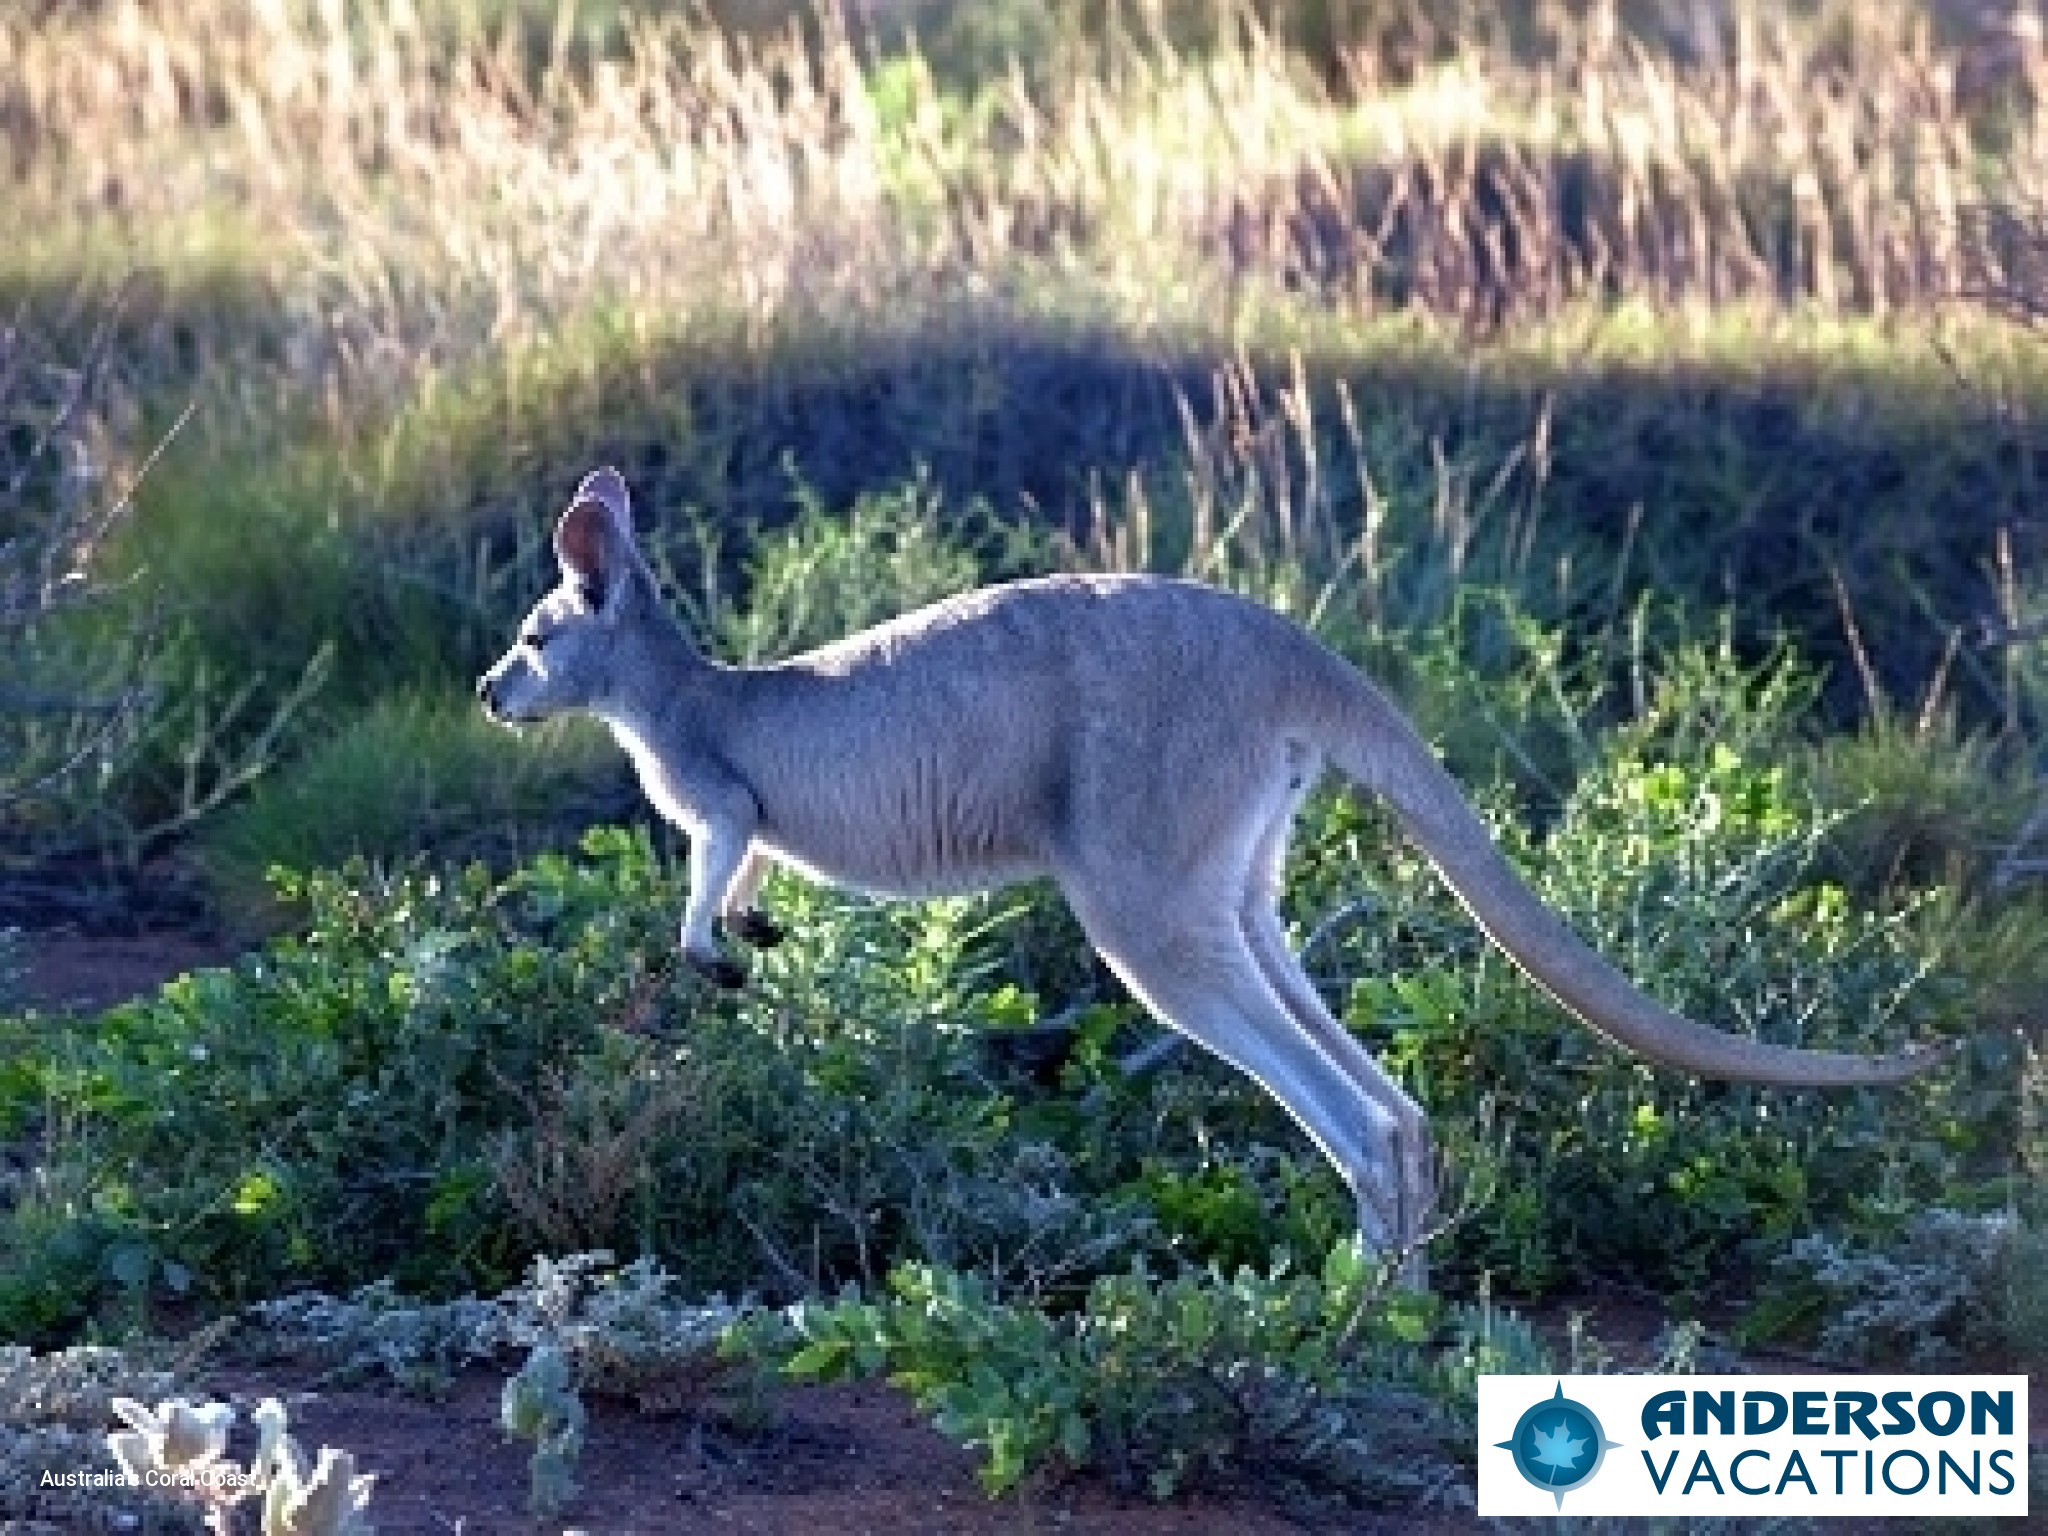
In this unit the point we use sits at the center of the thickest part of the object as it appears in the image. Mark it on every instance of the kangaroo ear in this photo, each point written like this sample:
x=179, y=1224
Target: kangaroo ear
x=584, y=545
x=594, y=539
x=609, y=486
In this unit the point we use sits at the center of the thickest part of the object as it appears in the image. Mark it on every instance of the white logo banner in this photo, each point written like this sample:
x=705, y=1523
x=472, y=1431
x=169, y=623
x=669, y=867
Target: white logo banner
x=1753, y=1445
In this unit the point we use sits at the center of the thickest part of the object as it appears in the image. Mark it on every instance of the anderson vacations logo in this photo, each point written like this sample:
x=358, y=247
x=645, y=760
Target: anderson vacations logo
x=1752, y=1445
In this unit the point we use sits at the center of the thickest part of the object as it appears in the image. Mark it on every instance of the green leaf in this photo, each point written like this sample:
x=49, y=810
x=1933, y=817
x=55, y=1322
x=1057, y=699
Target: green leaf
x=255, y=1194
x=819, y=1360
x=1345, y=1268
x=1074, y=1438
x=1411, y=1316
x=130, y=1264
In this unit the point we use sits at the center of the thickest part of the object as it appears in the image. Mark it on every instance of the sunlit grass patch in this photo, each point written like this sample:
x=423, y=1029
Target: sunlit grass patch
x=408, y=773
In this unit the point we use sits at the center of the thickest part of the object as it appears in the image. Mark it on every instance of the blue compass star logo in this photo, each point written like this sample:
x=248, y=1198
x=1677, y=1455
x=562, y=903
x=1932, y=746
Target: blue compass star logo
x=1558, y=1444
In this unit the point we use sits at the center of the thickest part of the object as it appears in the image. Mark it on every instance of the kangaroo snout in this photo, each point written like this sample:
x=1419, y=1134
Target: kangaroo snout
x=490, y=694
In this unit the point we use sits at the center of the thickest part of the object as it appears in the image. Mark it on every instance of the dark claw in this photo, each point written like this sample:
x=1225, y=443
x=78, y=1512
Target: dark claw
x=729, y=974
x=757, y=929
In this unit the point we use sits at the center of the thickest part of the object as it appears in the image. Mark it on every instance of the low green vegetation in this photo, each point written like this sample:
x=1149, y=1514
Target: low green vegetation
x=1259, y=1379
x=442, y=1071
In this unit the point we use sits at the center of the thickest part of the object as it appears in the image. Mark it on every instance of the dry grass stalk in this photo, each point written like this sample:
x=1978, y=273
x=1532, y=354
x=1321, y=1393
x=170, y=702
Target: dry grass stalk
x=571, y=1172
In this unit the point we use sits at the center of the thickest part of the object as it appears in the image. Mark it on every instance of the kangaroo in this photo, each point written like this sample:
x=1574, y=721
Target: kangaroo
x=1143, y=741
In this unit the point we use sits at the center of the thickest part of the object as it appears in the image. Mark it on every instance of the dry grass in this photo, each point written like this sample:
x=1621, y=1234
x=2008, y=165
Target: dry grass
x=571, y=1174
x=412, y=192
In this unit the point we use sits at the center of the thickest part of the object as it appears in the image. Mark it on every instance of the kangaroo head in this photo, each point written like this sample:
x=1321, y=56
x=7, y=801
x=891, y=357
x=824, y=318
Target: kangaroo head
x=578, y=648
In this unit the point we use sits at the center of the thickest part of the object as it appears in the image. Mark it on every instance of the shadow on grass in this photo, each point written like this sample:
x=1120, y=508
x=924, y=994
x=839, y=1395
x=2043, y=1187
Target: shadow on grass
x=1753, y=480
x=1749, y=472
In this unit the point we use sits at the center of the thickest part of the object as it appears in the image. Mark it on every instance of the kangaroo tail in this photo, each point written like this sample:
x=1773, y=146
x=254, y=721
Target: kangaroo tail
x=1378, y=748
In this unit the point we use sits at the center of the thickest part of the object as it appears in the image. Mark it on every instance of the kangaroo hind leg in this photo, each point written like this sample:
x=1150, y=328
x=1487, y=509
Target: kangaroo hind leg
x=1195, y=971
x=1412, y=1153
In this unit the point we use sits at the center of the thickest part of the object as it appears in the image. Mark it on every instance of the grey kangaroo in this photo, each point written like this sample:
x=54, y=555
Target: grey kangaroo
x=1144, y=742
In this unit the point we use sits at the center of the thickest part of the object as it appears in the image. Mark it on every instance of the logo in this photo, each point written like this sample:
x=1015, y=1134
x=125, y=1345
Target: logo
x=1558, y=1444
x=1753, y=1445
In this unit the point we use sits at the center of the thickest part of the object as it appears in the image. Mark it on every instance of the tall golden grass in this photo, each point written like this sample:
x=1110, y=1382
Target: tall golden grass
x=409, y=185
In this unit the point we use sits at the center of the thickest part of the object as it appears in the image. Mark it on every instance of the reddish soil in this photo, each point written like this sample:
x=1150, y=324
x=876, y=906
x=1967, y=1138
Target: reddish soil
x=835, y=1461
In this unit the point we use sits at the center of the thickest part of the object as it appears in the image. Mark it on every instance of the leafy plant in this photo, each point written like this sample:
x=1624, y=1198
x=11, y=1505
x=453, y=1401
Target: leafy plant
x=540, y=1404
x=1943, y=1288
x=273, y=1122
x=1163, y=1384
x=832, y=571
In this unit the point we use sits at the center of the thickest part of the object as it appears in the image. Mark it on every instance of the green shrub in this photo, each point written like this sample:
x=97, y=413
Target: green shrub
x=831, y=572
x=1943, y=1288
x=390, y=1091
x=1162, y=1384
x=319, y=1111
x=66, y=1268
x=893, y=1137
x=1924, y=803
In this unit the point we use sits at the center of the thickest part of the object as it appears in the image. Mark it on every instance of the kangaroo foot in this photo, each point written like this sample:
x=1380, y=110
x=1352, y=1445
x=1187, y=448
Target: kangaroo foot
x=756, y=929
x=720, y=971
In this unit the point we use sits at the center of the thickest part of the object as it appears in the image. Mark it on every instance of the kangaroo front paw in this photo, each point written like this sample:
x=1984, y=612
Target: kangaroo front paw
x=757, y=929
x=720, y=971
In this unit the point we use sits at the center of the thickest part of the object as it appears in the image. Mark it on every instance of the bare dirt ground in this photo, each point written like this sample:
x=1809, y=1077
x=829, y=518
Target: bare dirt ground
x=834, y=1461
